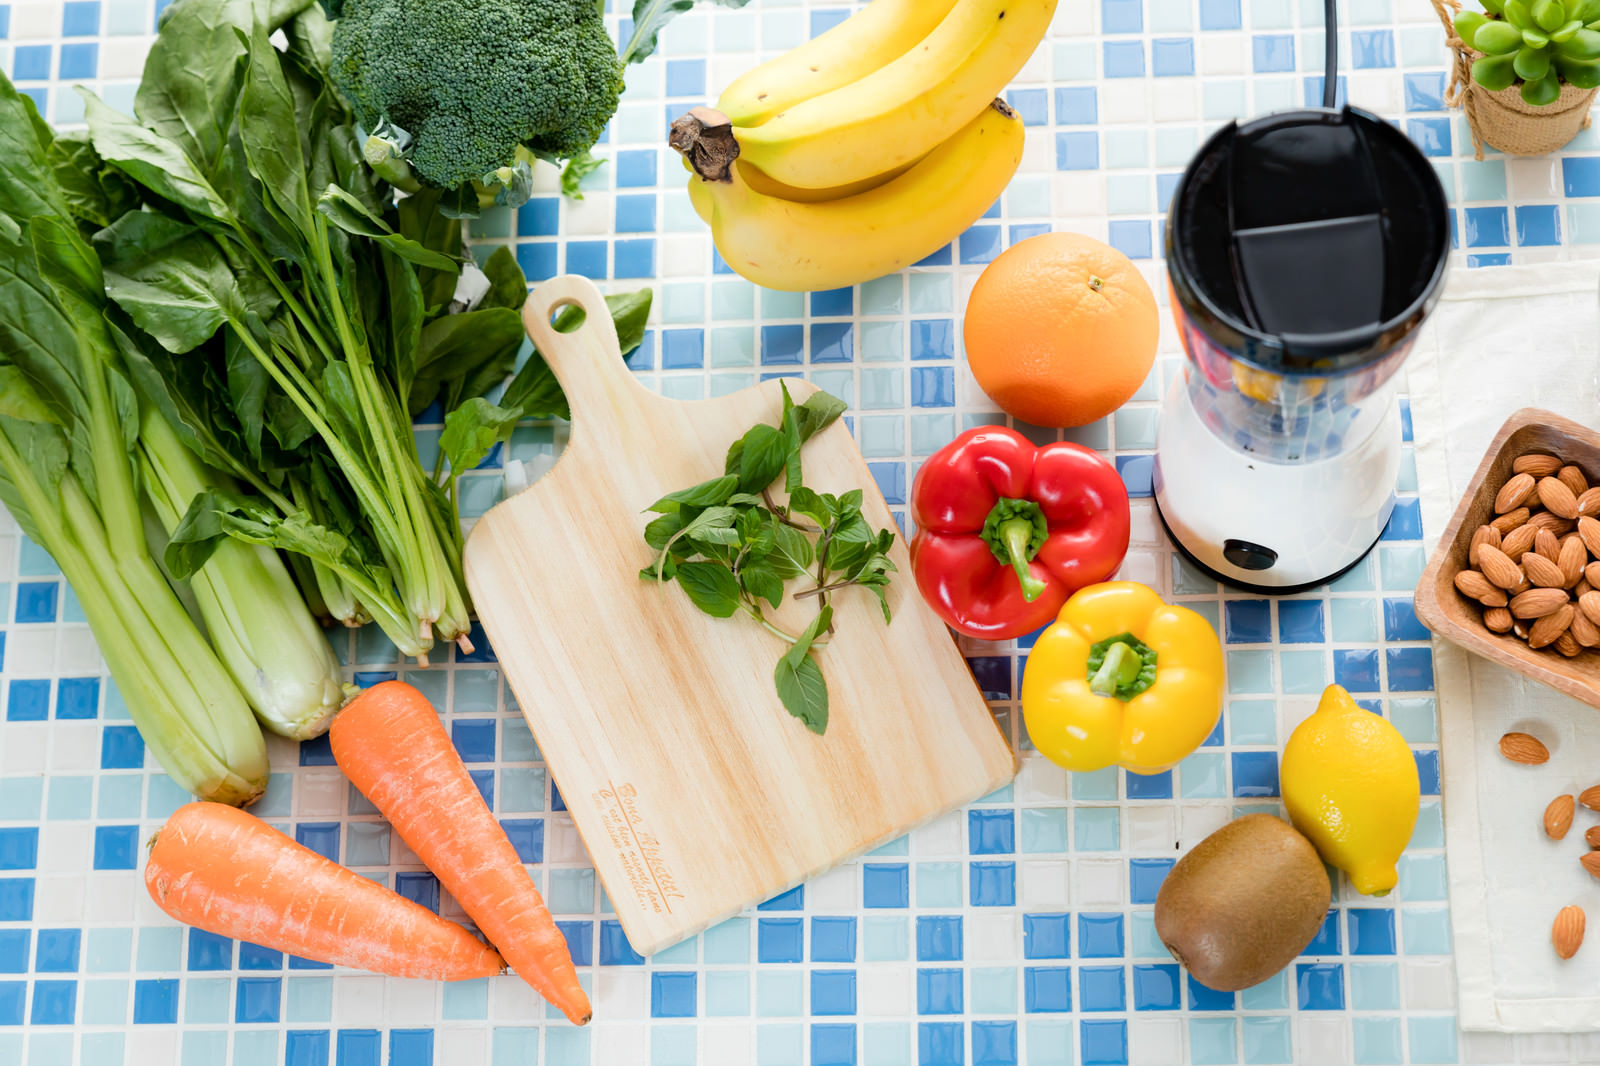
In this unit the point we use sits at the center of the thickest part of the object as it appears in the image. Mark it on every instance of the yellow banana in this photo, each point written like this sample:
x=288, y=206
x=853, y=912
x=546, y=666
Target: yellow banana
x=878, y=33
x=803, y=247
x=901, y=110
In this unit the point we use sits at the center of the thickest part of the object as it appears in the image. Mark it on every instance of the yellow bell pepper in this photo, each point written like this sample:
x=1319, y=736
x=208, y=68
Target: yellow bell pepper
x=1121, y=677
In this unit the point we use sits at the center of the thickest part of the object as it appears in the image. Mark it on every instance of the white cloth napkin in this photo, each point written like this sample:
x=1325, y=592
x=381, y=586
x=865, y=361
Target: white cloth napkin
x=1501, y=339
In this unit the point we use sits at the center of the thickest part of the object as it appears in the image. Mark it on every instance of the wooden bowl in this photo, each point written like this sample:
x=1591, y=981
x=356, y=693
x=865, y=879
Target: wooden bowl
x=1459, y=620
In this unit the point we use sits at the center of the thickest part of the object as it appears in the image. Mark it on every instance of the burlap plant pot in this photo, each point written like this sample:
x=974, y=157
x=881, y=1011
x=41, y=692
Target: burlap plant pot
x=1501, y=119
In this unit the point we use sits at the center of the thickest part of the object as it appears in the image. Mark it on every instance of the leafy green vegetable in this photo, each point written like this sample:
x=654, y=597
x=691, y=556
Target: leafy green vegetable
x=732, y=547
x=578, y=167
x=650, y=17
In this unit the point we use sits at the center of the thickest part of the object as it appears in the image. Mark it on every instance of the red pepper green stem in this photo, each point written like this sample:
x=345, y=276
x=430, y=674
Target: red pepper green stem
x=1015, y=531
x=1121, y=667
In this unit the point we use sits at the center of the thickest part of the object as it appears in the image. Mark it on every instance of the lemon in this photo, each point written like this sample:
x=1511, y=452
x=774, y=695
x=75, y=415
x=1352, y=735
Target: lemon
x=1350, y=783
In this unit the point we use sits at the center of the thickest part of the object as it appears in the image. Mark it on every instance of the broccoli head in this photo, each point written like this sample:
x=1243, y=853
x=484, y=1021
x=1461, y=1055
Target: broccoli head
x=471, y=80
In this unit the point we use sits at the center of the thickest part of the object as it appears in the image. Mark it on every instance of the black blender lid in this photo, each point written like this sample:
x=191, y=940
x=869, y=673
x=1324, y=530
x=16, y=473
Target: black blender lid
x=1311, y=235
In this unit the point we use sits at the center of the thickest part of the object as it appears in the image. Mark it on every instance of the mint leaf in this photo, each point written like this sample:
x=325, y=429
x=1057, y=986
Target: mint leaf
x=762, y=582
x=711, y=586
x=799, y=679
x=792, y=553
x=705, y=494
x=763, y=455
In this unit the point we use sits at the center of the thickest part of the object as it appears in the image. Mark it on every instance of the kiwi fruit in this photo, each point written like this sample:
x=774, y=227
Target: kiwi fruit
x=1243, y=902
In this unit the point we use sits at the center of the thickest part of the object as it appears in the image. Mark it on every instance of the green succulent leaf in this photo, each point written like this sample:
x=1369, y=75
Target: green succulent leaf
x=1587, y=11
x=1542, y=92
x=1564, y=34
x=1497, y=39
x=1534, y=38
x=1583, y=73
x=1585, y=44
x=1550, y=15
x=1532, y=64
x=1518, y=15
x=1467, y=24
x=1494, y=72
x=1494, y=7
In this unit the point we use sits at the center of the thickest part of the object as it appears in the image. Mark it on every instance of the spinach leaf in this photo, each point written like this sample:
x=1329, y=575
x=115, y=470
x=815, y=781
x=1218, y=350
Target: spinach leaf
x=352, y=216
x=170, y=277
x=472, y=430
x=154, y=161
x=267, y=126
x=479, y=345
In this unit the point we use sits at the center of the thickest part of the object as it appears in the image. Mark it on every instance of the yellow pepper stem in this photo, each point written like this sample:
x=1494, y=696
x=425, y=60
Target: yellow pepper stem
x=1121, y=666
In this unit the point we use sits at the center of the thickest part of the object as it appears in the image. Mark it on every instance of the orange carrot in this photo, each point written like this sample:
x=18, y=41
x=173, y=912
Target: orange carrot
x=390, y=744
x=219, y=869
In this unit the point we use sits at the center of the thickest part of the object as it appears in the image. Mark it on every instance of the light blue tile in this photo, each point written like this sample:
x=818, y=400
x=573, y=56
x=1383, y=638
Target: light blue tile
x=932, y=293
x=160, y=949
x=108, y=951
x=1051, y=1043
x=1187, y=581
x=1253, y=722
x=1096, y=829
x=1267, y=1040
x=885, y=939
x=571, y=891
x=885, y=296
x=1175, y=146
x=993, y=990
x=727, y=993
x=1249, y=671
x=1430, y=826
x=1222, y=101
x=682, y=303
x=1422, y=877
x=728, y=942
x=1425, y=930
x=1304, y=672
x=1213, y=1040
x=1354, y=621
x=70, y=798
x=1374, y=985
x=1136, y=427
x=1143, y=940
x=780, y=1045
x=938, y=885
x=686, y=953
x=1275, y=94
x=780, y=993
x=207, y=1001
x=1432, y=1039
x=733, y=299
x=521, y=789
x=104, y=1003
x=882, y=342
x=1402, y=567
x=733, y=346
x=1097, y=785
x=1042, y=829
x=51, y=1049
x=21, y=798
x=1028, y=197
x=1360, y=578
x=1170, y=16
x=1125, y=149
x=102, y=1049
x=886, y=1044
x=1271, y=14
x=776, y=304
x=1271, y=994
x=255, y=1048
x=1204, y=775
x=466, y=1000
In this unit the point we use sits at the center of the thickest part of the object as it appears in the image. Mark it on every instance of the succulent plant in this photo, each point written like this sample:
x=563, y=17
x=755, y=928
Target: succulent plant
x=1540, y=44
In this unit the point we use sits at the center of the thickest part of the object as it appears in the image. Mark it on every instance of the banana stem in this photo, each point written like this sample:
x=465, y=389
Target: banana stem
x=704, y=136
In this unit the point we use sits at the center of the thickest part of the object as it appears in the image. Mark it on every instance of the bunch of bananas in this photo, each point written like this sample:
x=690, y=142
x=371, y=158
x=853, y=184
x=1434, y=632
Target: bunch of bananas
x=867, y=148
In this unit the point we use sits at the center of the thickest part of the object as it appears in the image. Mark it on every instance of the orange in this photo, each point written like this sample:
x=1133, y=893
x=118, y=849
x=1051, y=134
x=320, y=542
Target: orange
x=1061, y=330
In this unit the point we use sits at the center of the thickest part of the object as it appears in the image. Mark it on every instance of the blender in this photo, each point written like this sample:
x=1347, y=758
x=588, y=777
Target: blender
x=1304, y=250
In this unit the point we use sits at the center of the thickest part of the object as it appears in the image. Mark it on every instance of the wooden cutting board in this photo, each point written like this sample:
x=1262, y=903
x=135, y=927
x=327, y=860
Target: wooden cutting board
x=696, y=793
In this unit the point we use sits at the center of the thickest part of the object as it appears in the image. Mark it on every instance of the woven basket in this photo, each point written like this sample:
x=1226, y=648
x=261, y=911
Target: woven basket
x=1501, y=119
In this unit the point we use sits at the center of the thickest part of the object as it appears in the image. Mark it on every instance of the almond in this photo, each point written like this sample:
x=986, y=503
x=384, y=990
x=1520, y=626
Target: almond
x=1536, y=603
x=1591, y=836
x=1585, y=632
x=1495, y=598
x=1558, y=817
x=1519, y=588
x=1546, y=544
x=1518, y=542
x=1536, y=463
x=1589, y=603
x=1589, y=530
x=1519, y=630
x=1547, y=628
x=1516, y=492
x=1556, y=497
x=1511, y=520
x=1473, y=585
x=1498, y=567
x=1581, y=587
x=1572, y=559
x=1483, y=535
x=1591, y=862
x=1526, y=749
x=1589, y=502
x=1551, y=521
x=1590, y=797
x=1566, y=934
x=1497, y=619
x=1567, y=644
x=1573, y=478
x=1542, y=571
x=1591, y=574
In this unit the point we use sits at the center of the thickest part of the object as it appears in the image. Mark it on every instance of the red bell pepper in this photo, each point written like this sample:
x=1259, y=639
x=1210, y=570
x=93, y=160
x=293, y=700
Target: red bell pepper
x=1006, y=530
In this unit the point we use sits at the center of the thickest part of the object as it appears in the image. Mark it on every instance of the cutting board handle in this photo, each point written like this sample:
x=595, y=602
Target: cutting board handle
x=588, y=360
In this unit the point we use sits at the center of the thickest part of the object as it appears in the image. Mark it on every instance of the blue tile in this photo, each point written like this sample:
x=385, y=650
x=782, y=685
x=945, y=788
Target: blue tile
x=420, y=887
x=78, y=698
x=79, y=60
x=991, y=832
x=939, y=938
x=14, y=950
x=484, y=780
x=1099, y=936
x=673, y=995
x=19, y=848
x=980, y=244
x=1123, y=59
x=1312, y=89
x=1326, y=942
x=79, y=18
x=1356, y=669
x=939, y=990
x=682, y=349
x=1538, y=225
x=834, y=939
x=474, y=738
x=941, y=1044
x=306, y=1047
x=411, y=1047
x=1121, y=16
x=1432, y=135
x=994, y=1043
x=1046, y=936
x=27, y=701
x=587, y=258
x=1497, y=259
x=116, y=847
x=527, y=836
x=782, y=345
x=1580, y=175
x=258, y=1000
x=1406, y=521
x=1166, y=187
x=1300, y=622
x=891, y=480
x=833, y=302
x=1400, y=621
x=1486, y=227
x=1103, y=1042
x=538, y=261
x=1371, y=49
x=1132, y=239
x=1032, y=105
x=54, y=1003
x=933, y=386
x=1101, y=988
x=930, y=339
x=1047, y=989
x=5, y=21
x=1319, y=985
x=256, y=957
x=886, y=884
x=1078, y=151
x=30, y=63
x=320, y=837
x=1273, y=53
x=635, y=259
x=298, y=963
x=1255, y=773
x=580, y=941
x=541, y=217
x=1410, y=669
x=780, y=939
x=792, y=900
x=155, y=1002
x=833, y=342
x=1425, y=91
x=1220, y=15
x=316, y=752
x=1247, y=621
x=57, y=951
x=1145, y=877
x=208, y=951
x=1155, y=987
x=636, y=168
x=1428, y=771
x=1149, y=786
x=833, y=992
x=686, y=77
x=993, y=674
x=1172, y=57
x=358, y=1047
x=832, y=1044
x=1077, y=106
x=13, y=1000
x=1203, y=998
x=992, y=884
x=1371, y=930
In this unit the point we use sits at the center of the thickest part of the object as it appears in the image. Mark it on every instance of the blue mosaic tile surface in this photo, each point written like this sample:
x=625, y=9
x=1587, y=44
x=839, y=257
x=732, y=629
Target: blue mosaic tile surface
x=1017, y=932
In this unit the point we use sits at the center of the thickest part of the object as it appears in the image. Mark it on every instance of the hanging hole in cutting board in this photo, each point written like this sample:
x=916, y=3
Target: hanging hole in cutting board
x=567, y=323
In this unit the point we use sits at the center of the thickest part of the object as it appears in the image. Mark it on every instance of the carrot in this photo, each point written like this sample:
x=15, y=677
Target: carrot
x=391, y=745
x=219, y=869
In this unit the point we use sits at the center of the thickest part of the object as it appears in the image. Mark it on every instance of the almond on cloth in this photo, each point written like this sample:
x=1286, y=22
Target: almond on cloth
x=1558, y=817
x=1591, y=862
x=1590, y=797
x=1536, y=463
x=1526, y=749
x=1566, y=934
x=1591, y=836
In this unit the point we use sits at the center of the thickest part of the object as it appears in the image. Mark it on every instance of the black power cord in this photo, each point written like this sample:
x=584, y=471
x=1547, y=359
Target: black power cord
x=1330, y=60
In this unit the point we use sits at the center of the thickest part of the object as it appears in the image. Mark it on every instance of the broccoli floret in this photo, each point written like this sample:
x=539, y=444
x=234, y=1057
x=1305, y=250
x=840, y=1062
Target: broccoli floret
x=471, y=80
